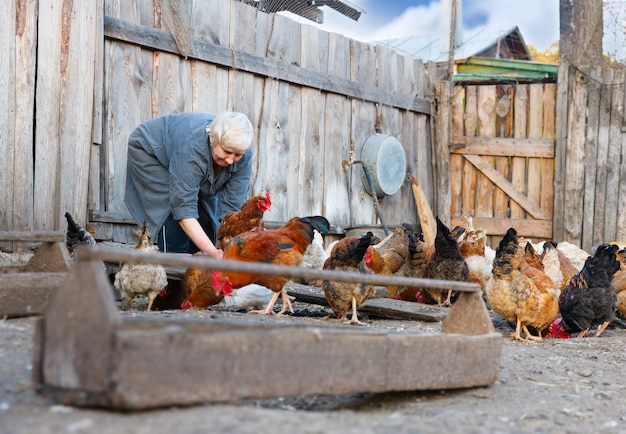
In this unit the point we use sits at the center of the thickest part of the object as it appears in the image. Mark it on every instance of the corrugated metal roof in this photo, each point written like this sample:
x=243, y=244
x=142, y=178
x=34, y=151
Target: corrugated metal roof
x=429, y=47
x=484, y=69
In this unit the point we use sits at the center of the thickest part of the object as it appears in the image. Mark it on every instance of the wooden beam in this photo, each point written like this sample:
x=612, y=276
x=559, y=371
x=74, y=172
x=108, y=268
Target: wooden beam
x=159, y=40
x=110, y=254
x=503, y=147
x=529, y=228
x=498, y=179
x=381, y=307
x=32, y=236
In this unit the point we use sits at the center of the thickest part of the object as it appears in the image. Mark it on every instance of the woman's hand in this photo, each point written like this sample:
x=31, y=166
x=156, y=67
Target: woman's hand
x=217, y=254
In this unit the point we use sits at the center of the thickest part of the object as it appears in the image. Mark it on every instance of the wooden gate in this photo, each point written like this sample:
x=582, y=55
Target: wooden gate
x=502, y=158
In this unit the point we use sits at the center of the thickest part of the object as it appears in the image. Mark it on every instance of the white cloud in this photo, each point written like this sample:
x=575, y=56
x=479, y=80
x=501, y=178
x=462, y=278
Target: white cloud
x=538, y=20
x=414, y=21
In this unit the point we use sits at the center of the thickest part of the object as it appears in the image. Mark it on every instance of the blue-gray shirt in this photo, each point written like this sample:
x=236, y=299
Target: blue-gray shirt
x=170, y=170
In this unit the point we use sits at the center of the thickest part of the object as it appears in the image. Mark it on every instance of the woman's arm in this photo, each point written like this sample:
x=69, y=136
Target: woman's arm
x=194, y=231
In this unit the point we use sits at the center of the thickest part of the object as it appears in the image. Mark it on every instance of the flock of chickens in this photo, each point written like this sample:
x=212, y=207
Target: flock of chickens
x=542, y=290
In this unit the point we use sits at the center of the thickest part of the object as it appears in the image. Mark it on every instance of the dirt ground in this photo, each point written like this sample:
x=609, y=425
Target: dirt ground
x=557, y=385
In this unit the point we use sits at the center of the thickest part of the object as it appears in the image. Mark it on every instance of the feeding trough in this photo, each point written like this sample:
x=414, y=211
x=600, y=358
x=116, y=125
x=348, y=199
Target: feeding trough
x=86, y=354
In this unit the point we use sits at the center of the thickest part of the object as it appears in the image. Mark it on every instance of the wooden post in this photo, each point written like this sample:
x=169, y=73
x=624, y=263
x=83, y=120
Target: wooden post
x=581, y=31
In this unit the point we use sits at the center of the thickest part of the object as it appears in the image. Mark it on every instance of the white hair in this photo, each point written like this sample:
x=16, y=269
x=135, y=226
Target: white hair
x=232, y=130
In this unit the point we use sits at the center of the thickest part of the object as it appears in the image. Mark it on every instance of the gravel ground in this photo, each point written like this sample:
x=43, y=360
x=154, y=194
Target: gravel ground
x=556, y=385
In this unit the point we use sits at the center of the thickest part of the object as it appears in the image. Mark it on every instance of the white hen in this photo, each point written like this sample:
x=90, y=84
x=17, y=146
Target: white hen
x=141, y=279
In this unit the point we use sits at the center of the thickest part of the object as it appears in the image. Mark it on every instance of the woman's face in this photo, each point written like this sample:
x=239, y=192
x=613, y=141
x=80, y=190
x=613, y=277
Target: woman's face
x=224, y=157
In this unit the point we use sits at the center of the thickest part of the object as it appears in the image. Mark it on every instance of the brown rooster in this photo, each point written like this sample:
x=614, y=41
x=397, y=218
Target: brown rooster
x=347, y=255
x=388, y=256
x=522, y=295
x=248, y=218
x=446, y=263
x=141, y=279
x=283, y=246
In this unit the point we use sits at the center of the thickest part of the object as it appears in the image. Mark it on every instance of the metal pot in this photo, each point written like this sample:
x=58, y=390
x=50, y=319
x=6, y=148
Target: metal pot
x=384, y=158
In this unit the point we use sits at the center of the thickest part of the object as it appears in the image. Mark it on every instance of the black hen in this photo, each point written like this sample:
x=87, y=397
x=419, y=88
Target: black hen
x=446, y=263
x=76, y=236
x=588, y=299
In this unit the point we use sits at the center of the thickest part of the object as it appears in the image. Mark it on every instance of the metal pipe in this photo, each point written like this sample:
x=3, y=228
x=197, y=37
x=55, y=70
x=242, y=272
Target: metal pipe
x=119, y=255
x=370, y=183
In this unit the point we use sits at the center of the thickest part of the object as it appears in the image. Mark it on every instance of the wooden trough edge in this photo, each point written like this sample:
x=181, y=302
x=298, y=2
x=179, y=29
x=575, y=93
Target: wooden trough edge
x=86, y=354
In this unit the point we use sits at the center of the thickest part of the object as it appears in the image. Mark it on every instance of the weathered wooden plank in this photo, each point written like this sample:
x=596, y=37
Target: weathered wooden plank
x=591, y=160
x=363, y=60
x=8, y=22
x=621, y=197
x=546, y=200
x=311, y=167
x=78, y=332
x=614, y=157
x=227, y=372
x=49, y=86
x=441, y=153
x=111, y=254
x=501, y=147
x=95, y=199
x=162, y=41
x=336, y=143
x=380, y=307
x=504, y=120
x=470, y=175
x=602, y=155
x=486, y=103
x=535, y=131
x=21, y=131
x=528, y=228
x=24, y=293
x=35, y=236
x=505, y=185
x=518, y=163
x=456, y=161
x=560, y=151
x=575, y=160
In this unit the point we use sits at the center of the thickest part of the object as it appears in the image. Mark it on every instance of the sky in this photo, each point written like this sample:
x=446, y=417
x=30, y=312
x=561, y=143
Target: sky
x=538, y=20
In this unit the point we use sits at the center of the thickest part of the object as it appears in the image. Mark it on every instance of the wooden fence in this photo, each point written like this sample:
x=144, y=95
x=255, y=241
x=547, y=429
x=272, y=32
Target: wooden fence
x=502, y=158
x=102, y=67
x=590, y=182
x=77, y=77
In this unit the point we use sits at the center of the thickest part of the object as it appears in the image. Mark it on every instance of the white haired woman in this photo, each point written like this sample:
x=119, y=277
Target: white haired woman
x=185, y=172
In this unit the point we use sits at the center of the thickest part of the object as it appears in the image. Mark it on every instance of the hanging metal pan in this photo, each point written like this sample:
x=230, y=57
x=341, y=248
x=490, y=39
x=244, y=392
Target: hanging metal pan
x=384, y=157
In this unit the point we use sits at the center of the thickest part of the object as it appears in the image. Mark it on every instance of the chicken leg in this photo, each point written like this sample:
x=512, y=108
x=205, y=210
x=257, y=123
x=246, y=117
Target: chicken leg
x=355, y=318
x=601, y=328
x=269, y=309
x=529, y=335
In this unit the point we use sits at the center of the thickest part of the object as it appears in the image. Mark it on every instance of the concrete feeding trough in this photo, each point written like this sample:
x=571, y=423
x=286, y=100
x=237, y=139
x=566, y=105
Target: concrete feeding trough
x=27, y=289
x=87, y=354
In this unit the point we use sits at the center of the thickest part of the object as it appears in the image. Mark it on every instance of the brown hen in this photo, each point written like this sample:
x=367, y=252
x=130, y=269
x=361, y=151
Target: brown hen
x=520, y=294
x=347, y=255
x=388, y=256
